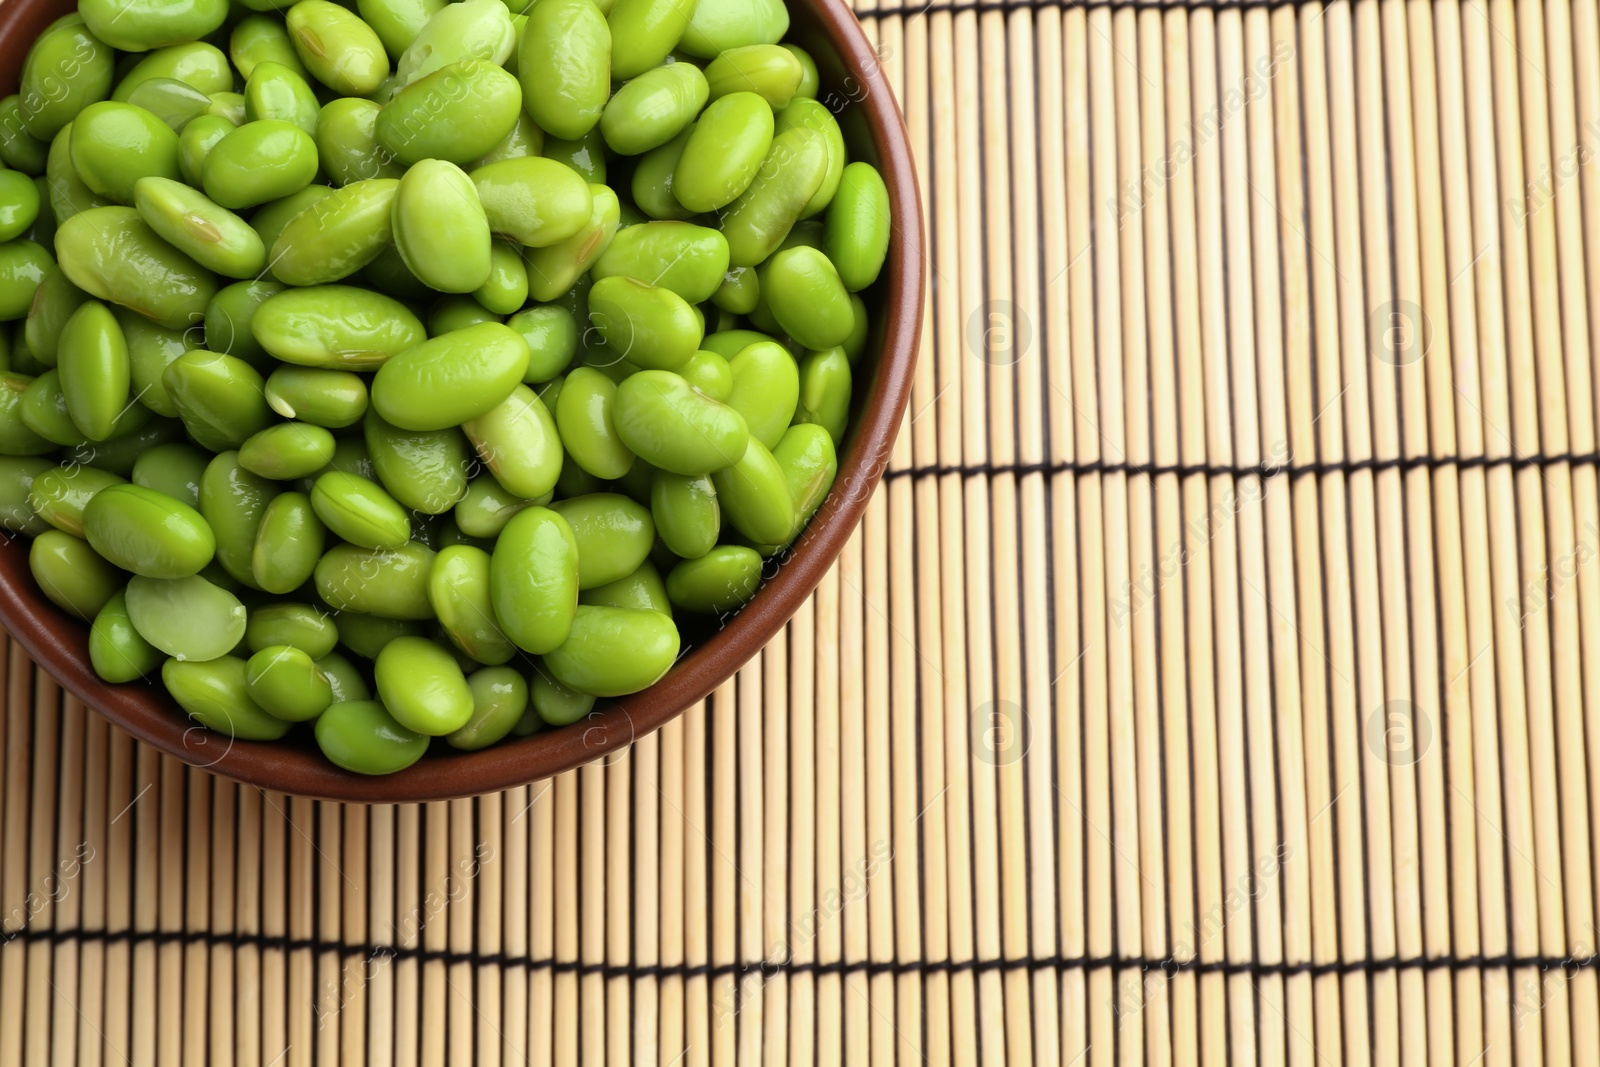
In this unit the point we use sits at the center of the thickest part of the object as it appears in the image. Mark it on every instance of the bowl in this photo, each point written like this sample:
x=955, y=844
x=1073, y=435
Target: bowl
x=854, y=87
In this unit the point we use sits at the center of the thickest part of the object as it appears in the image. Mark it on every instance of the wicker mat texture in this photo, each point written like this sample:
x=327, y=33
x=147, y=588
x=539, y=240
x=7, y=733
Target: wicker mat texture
x=1215, y=677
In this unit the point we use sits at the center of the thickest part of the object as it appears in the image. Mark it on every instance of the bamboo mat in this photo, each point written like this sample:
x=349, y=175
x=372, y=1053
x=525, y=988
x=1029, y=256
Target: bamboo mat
x=1215, y=677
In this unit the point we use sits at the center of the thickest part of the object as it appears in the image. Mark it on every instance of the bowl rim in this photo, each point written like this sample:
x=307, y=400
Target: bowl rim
x=59, y=643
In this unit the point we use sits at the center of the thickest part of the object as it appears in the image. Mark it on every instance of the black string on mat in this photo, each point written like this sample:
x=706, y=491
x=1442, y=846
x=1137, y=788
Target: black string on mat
x=1569, y=965
x=1265, y=470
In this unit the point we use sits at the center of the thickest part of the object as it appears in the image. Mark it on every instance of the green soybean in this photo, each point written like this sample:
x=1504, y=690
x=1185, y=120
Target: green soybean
x=718, y=25
x=672, y=426
x=287, y=623
x=258, y=39
x=686, y=512
x=457, y=114
x=287, y=451
x=173, y=102
x=360, y=736
x=112, y=254
x=534, y=201
x=288, y=544
x=643, y=32
x=643, y=590
x=422, y=686
x=766, y=389
x=475, y=29
x=95, y=372
x=813, y=115
x=506, y=288
x=768, y=70
x=67, y=193
x=228, y=319
x=359, y=511
x=347, y=142
x=17, y=475
x=336, y=326
x=486, y=508
x=450, y=379
x=44, y=411
x=825, y=388
x=287, y=684
x=564, y=62
x=397, y=22
x=67, y=69
x=72, y=575
x=232, y=500
x=23, y=265
x=338, y=235
x=440, y=227
x=260, y=161
x=551, y=335
x=216, y=695
x=790, y=175
x=389, y=583
x=459, y=590
x=321, y=397
x=650, y=326
x=16, y=437
x=339, y=50
x=219, y=398
x=19, y=204
x=721, y=580
x=59, y=495
x=612, y=652
x=346, y=679
x=195, y=143
x=212, y=236
x=425, y=470
x=518, y=441
x=187, y=618
x=583, y=417
x=555, y=704
x=366, y=635
x=197, y=64
x=499, y=701
x=755, y=498
x=807, y=298
x=653, y=108
x=274, y=91
x=586, y=155
x=654, y=178
x=116, y=651
x=175, y=469
x=613, y=534
x=140, y=25
x=19, y=149
x=686, y=259
x=533, y=579
x=148, y=532
x=858, y=226
x=554, y=269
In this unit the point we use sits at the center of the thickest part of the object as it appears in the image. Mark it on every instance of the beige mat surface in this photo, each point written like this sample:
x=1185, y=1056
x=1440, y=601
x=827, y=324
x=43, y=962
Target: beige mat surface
x=1215, y=678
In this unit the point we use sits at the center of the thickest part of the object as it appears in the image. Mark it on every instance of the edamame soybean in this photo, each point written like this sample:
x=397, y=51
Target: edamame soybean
x=533, y=579
x=188, y=618
x=388, y=583
x=287, y=684
x=614, y=651
x=564, y=63
x=422, y=686
x=148, y=532
x=336, y=236
x=723, y=579
x=217, y=696
x=360, y=736
x=116, y=651
x=499, y=700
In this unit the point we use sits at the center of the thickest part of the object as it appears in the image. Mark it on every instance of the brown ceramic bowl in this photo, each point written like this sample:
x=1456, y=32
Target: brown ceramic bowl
x=855, y=88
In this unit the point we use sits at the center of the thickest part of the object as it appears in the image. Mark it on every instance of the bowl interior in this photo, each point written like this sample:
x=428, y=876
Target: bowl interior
x=854, y=88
